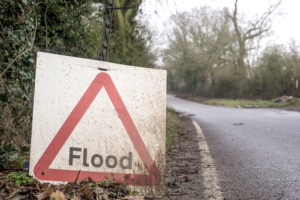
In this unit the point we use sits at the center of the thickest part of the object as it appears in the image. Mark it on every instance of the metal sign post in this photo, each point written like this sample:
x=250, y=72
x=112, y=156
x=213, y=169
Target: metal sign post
x=109, y=11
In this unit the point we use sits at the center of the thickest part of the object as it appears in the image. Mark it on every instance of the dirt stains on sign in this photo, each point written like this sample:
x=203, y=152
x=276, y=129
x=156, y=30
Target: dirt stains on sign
x=114, y=121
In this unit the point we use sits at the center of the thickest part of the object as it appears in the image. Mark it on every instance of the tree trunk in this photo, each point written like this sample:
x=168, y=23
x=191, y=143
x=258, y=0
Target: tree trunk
x=124, y=23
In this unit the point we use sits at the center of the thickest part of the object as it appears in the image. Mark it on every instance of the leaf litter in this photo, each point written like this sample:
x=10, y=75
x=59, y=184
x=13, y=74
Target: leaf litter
x=85, y=189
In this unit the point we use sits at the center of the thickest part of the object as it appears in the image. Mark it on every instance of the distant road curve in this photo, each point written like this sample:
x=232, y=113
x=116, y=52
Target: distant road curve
x=256, y=151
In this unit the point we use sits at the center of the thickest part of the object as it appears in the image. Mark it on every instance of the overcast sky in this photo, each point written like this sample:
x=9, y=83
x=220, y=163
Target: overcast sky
x=284, y=28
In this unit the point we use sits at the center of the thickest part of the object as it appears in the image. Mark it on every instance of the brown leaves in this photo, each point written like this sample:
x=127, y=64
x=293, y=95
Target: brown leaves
x=40, y=196
x=47, y=192
x=76, y=197
x=88, y=193
x=11, y=195
x=85, y=189
x=136, y=198
x=58, y=195
x=37, y=184
x=133, y=198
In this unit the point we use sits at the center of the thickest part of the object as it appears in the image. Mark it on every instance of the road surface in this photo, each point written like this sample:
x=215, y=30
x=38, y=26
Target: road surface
x=256, y=152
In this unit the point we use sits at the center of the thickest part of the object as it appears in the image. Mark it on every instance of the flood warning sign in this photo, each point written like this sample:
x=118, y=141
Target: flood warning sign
x=105, y=123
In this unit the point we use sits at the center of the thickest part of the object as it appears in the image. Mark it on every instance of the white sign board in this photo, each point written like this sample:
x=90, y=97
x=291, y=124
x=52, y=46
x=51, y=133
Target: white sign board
x=106, y=123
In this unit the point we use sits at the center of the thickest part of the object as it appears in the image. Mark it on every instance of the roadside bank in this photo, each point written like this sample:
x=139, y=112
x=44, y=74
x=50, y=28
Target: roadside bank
x=290, y=105
x=185, y=170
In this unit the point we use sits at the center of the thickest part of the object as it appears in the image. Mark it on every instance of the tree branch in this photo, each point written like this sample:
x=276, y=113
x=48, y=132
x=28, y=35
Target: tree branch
x=257, y=34
x=29, y=49
x=234, y=20
x=261, y=22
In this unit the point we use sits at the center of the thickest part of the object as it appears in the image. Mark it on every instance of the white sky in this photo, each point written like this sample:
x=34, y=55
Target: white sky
x=284, y=27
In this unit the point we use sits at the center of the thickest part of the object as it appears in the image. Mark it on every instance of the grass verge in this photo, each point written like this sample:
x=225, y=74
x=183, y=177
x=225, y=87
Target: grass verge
x=172, y=126
x=260, y=103
x=295, y=102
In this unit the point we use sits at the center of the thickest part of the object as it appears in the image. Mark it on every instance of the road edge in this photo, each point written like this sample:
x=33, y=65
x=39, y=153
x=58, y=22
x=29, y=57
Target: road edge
x=209, y=173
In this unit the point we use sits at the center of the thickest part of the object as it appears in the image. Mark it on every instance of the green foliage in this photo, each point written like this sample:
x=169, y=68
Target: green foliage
x=113, y=194
x=20, y=178
x=18, y=161
x=131, y=42
x=7, y=151
x=92, y=184
x=100, y=193
x=277, y=72
x=72, y=28
x=18, y=26
x=138, y=51
x=10, y=156
x=24, y=149
x=199, y=45
x=62, y=29
x=102, y=183
x=204, y=58
x=172, y=126
x=242, y=103
x=27, y=26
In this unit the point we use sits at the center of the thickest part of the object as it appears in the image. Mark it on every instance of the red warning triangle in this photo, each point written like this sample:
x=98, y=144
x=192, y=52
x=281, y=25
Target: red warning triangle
x=41, y=169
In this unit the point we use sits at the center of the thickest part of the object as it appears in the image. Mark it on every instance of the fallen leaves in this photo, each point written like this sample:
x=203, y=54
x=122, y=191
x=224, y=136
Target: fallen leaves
x=39, y=196
x=88, y=193
x=136, y=198
x=85, y=189
x=47, y=192
x=11, y=195
x=58, y=195
x=76, y=198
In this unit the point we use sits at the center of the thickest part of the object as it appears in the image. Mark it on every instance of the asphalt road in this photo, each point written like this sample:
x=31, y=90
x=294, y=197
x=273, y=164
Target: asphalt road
x=258, y=159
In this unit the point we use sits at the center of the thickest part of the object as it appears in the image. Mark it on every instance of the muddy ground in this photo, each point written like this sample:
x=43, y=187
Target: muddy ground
x=183, y=171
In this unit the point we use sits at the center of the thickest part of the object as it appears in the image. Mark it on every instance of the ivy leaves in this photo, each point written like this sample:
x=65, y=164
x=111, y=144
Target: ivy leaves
x=25, y=28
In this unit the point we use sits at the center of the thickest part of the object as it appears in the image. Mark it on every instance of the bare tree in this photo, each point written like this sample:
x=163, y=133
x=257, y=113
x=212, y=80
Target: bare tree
x=199, y=44
x=294, y=56
x=255, y=29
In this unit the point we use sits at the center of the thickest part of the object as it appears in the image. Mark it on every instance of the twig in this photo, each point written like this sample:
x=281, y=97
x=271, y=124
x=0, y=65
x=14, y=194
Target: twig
x=38, y=187
x=77, y=175
x=11, y=120
x=24, y=51
x=11, y=196
x=118, y=195
x=75, y=181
